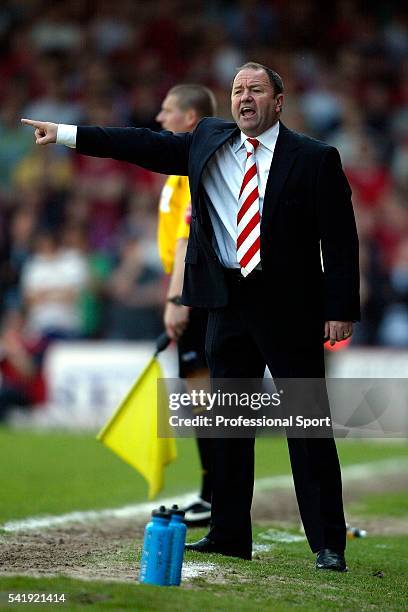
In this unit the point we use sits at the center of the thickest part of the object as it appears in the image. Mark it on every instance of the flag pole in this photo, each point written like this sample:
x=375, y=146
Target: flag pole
x=162, y=342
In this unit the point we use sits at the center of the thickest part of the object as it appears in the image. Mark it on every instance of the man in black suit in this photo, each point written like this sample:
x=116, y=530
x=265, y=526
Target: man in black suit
x=276, y=283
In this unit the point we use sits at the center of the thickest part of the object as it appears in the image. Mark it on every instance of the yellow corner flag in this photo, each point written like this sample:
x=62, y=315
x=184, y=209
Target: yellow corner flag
x=131, y=432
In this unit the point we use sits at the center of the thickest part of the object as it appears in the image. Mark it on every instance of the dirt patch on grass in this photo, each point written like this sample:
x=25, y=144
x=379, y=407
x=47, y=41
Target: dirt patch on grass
x=281, y=505
x=100, y=551
x=107, y=550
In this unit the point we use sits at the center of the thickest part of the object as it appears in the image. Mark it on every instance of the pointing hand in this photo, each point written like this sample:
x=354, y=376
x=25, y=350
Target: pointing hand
x=45, y=132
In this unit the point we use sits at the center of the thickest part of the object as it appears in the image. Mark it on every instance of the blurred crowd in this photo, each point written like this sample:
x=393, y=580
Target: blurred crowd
x=77, y=235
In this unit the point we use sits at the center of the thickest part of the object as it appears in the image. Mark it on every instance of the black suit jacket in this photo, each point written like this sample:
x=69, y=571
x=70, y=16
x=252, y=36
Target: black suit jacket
x=307, y=218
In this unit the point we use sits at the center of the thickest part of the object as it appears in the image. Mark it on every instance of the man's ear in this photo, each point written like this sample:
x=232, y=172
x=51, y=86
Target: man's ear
x=192, y=118
x=279, y=103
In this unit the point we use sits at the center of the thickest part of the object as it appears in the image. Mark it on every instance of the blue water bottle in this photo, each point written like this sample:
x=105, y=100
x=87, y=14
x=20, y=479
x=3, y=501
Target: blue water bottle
x=155, y=561
x=179, y=530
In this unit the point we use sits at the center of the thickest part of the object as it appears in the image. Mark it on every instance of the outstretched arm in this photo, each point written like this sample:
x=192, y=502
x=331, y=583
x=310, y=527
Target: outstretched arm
x=162, y=152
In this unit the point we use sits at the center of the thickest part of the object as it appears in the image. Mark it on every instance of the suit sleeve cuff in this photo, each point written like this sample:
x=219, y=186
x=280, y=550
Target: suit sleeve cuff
x=66, y=135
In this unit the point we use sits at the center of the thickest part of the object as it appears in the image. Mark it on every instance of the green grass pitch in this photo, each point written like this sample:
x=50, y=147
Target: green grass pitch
x=54, y=473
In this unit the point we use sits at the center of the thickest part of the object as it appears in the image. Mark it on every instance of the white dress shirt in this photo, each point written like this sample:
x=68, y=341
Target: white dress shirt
x=222, y=180
x=66, y=135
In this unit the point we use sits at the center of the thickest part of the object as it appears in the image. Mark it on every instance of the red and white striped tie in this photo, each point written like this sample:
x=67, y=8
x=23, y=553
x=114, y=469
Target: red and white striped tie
x=248, y=218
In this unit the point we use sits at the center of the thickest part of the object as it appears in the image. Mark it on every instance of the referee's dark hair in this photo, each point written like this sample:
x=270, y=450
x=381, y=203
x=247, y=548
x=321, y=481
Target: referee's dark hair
x=199, y=98
x=274, y=78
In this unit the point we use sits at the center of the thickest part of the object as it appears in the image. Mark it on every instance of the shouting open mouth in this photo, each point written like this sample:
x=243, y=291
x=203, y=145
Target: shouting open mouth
x=247, y=112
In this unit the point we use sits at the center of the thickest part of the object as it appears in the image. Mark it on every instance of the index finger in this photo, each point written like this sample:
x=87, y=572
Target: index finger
x=36, y=124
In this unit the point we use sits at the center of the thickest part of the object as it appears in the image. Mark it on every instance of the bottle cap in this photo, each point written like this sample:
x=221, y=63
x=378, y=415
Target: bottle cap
x=175, y=510
x=161, y=512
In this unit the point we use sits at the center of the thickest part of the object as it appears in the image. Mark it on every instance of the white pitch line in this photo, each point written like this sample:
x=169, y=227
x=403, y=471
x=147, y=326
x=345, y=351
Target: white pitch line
x=355, y=472
x=350, y=473
x=86, y=516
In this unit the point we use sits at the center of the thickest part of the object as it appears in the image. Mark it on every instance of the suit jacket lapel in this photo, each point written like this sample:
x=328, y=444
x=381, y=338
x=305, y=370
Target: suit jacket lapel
x=216, y=138
x=285, y=154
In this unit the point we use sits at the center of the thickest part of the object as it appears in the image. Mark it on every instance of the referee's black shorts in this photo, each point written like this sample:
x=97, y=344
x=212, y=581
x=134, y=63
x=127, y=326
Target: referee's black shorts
x=191, y=345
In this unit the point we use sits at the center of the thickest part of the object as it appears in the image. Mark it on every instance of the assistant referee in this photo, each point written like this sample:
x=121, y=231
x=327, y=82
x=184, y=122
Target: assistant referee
x=181, y=110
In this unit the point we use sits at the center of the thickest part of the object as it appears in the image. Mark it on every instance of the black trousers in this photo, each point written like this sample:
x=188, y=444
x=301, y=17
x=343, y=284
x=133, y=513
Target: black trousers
x=242, y=339
x=192, y=358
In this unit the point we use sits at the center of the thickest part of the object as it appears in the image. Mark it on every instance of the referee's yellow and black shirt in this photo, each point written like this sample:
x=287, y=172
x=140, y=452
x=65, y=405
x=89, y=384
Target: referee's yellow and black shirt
x=174, y=218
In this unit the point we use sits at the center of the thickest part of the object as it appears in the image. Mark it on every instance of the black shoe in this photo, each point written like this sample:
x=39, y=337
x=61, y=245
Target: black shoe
x=205, y=545
x=198, y=513
x=331, y=560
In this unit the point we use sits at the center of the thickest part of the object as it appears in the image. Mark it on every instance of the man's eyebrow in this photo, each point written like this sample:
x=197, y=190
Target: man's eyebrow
x=251, y=85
